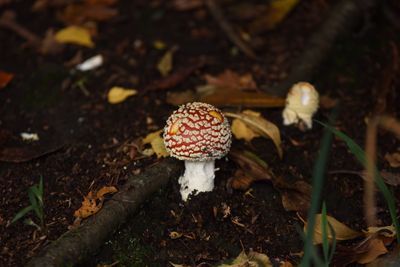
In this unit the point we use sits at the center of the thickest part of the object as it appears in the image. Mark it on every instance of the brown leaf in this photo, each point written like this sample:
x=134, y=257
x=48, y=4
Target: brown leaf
x=5, y=78
x=220, y=97
x=232, y=81
x=342, y=231
x=375, y=249
x=391, y=259
x=393, y=159
x=364, y=251
x=296, y=196
x=78, y=14
x=252, y=169
x=259, y=125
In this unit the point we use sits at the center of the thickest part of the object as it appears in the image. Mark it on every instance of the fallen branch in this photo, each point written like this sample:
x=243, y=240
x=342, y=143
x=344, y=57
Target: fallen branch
x=77, y=244
x=341, y=18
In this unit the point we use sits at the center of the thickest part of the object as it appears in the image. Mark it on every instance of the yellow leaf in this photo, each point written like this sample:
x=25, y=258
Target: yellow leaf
x=342, y=231
x=375, y=249
x=93, y=202
x=106, y=190
x=257, y=126
x=164, y=66
x=157, y=143
x=175, y=235
x=119, y=94
x=387, y=231
x=242, y=131
x=74, y=35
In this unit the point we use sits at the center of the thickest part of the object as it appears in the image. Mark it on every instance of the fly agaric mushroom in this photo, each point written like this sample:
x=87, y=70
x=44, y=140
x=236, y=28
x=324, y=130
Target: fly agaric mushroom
x=302, y=102
x=197, y=133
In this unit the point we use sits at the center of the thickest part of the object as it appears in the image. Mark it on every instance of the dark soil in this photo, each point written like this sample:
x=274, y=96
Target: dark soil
x=86, y=143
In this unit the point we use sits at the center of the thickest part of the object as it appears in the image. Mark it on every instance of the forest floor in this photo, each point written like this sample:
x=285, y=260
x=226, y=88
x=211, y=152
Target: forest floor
x=86, y=143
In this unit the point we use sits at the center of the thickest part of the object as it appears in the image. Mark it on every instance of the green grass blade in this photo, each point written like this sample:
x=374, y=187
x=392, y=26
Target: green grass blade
x=21, y=214
x=359, y=153
x=333, y=245
x=318, y=180
x=34, y=202
x=325, y=234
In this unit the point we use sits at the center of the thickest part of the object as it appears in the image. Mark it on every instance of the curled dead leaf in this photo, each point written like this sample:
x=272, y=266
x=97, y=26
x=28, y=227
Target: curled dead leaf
x=252, y=169
x=93, y=202
x=342, y=231
x=256, y=124
x=393, y=159
x=157, y=143
x=296, y=196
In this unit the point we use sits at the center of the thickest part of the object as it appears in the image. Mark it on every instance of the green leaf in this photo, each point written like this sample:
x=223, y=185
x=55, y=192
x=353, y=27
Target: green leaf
x=21, y=214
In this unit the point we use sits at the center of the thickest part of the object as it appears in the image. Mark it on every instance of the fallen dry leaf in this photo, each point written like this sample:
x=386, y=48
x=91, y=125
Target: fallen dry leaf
x=276, y=13
x=119, y=94
x=252, y=169
x=393, y=159
x=242, y=131
x=391, y=259
x=80, y=14
x=253, y=259
x=164, y=66
x=74, y=35
x=375, y=249
x=296, y=196
x=342, y=231
x=258, y=125
x=232, y=89
x=364, y=252
x=5, y=78
x=230, y=80
x=387, y=231
x=93, y=202
x=157, y=143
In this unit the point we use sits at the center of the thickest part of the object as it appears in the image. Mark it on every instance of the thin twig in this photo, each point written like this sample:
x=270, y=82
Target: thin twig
x=7, y=21
x=226, y=27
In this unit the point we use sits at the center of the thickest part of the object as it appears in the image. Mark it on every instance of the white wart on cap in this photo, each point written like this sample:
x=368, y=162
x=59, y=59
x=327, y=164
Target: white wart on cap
x=197, y=132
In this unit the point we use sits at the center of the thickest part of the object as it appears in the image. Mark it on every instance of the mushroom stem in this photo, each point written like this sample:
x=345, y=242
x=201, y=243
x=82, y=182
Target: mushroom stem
x=198, y=176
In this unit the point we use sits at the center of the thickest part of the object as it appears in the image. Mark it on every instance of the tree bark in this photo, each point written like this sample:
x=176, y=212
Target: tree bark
x=77, y=244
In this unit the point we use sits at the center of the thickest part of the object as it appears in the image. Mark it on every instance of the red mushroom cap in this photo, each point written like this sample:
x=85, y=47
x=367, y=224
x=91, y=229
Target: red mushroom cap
x=197, y=132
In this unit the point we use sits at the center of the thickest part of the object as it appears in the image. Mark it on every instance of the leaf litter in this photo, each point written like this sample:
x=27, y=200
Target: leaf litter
x=255, y=125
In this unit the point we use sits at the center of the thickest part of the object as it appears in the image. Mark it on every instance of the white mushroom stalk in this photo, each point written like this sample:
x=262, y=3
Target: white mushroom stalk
x=302, y=102
x=197, y=133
